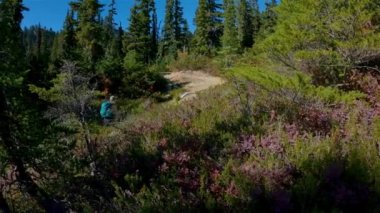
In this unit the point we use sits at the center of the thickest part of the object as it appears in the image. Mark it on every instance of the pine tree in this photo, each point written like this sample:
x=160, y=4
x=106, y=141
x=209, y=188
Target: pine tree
x=12, y=51
x=229, y=38
x=256, y=18
x=186, y=37
x=328, y=40
x=119, y=41
x=153, y=31
x=174, y=31
x=141, y=38
x=245, y=25
x=269, y=18
x=89, y=31
x=69, y=43
x=18, y=125
x=109, y=24
x=208, y=31
x=201, y=37
x=169, y=43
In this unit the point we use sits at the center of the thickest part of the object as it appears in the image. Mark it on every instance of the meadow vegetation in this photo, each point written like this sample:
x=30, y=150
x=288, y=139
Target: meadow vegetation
x=295, y=128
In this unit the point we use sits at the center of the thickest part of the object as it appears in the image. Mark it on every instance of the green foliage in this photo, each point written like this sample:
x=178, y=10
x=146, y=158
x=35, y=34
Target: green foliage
x=69, y=43
x=327, y=39
x=299, y=82
x=229, y=37
x=187, y=61
x=208, y=31
x=175, y=30
x=268, y=19
x=89, y=31
x=248, y=17
x=142, y=33
x=12, y=65
x=269, y=140
x=139, y=79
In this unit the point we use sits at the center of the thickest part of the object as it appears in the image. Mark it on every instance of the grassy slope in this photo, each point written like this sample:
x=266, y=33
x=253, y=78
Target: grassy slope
x=265, y=141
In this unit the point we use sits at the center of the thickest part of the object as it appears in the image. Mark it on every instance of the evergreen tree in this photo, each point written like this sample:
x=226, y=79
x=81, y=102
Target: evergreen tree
x=141, y=38
x=18, y=132
x=327, y=39
x=229, y=38
x=216, y=23
x=269, y=18
x=69, y=44
x=209, y=27
x=256, y=18
x=175, y=29
x=201, y=36
x=109, y=24
x=248, y=22
x=169, y=44
x=89, y=31
x=154, y=31
x=12, y=51
x=119, y=41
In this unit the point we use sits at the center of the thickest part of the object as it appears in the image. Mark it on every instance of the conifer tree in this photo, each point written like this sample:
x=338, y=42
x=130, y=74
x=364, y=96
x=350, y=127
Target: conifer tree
x=89, y=31
x=307, y=39
x=201, y=36
x=269, y=18
x=141, y=38
x=12, y=51
x=153, y=31
x=216, y=23
x=229, y=38
x=247, y=22
x=17, y=126
x=174, y=31
x=109, y=24
x=119, y=41
x=256, y=18
x=169, y=43
x=69, y=43
x=209, y=26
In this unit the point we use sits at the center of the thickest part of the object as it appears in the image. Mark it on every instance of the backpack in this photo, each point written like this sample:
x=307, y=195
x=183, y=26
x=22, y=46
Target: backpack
x=105, y=110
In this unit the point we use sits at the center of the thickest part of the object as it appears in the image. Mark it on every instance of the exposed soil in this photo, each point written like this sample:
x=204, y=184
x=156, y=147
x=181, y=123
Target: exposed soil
x=193, y=82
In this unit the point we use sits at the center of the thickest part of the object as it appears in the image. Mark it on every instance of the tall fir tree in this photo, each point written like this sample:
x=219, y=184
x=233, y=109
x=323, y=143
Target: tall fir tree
x=230, y=35
x=245, y=16
x=208, y=27
x=175, y=29
x=12, y=50
x=153, y=31
x=201, y=37
x=69, y=43
x=256, y=18
x=119, y=41
x=109, y=24
x=141, y=38
x=168, y=43
x=89, y=31
x=268, y=18
x=216, y=22
x=18, y=132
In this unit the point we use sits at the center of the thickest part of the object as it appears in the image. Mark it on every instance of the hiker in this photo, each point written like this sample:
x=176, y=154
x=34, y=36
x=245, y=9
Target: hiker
x=106, y=110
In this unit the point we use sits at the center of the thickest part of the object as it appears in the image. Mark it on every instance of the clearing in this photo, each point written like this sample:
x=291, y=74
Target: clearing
x=193, y=82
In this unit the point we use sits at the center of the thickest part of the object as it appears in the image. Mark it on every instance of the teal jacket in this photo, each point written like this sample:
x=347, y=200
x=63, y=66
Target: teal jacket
x=105, y=110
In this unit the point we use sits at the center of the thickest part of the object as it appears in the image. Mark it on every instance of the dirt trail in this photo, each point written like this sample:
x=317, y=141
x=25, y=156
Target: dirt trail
x=193, y=82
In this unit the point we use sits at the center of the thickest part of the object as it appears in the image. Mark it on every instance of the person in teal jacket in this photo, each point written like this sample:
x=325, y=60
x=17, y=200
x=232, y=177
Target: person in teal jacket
x=106, y=110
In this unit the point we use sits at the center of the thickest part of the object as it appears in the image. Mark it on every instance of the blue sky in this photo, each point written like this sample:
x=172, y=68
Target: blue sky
x=51, y=13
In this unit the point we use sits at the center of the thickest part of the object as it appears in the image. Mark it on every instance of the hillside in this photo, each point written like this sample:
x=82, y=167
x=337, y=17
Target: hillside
x=274, y=110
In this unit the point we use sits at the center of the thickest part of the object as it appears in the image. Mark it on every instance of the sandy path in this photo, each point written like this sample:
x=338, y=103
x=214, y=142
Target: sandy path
x=194, y=81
